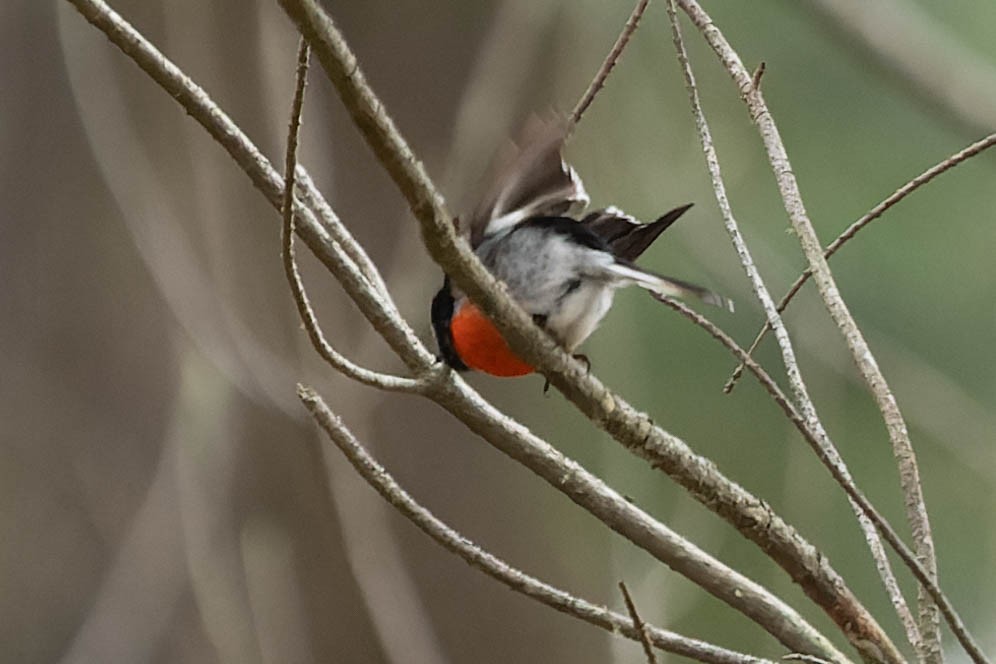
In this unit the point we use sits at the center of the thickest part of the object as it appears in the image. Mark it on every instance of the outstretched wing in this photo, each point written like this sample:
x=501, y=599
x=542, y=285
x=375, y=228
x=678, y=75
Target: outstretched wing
x=529, y=179
x=626, y=236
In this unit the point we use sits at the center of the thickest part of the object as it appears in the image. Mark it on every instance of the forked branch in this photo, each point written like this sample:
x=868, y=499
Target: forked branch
x=870, y=216
x=629, y=427
x=335, y=247
x=516, y=580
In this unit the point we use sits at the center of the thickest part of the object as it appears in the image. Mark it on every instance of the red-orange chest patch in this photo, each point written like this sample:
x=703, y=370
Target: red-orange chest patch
x=480, y=345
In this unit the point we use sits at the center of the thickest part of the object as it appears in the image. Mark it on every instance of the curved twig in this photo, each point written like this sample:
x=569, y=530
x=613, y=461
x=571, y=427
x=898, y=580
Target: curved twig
x=609, y=411
x=481, y=417
x=863, y=357
x=339, y=362
x=870, y=216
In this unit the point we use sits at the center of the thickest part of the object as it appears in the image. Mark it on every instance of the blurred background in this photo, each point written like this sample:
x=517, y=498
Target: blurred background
x=163, y=497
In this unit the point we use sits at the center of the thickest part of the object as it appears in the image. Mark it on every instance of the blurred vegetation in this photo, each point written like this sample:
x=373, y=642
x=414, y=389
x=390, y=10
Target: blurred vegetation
x=162, y=497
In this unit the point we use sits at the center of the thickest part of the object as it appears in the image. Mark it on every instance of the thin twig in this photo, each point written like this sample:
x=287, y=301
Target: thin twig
x=751, y=516
x=313, y=199
x=307, y=314
x=638, y=625
x=864, y=359
x=799, y=657
x=811, y=426
x=610, y=61
x=870, y=216
x=481, y=417
x=868, y=515
x=755, y=79
x=375, y=475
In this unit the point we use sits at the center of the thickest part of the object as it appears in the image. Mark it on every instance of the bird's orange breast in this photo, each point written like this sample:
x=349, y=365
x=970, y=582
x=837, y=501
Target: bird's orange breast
x=480, y=345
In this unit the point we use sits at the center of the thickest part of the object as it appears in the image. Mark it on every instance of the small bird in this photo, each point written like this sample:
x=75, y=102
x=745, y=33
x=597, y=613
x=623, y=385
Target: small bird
x=562, y=270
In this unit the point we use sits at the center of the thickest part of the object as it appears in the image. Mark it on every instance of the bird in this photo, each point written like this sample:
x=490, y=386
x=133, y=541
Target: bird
x=561, y=267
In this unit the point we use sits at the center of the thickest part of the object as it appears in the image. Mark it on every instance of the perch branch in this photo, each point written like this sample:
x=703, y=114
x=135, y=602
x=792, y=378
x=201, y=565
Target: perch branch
x=375, y=475
x=633, y=429
x=453, y=394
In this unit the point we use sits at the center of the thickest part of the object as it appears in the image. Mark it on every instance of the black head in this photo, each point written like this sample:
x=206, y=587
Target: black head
x=442, y=314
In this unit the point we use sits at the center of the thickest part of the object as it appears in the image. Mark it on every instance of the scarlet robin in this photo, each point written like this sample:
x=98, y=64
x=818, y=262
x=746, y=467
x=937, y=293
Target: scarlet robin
x=562, y=270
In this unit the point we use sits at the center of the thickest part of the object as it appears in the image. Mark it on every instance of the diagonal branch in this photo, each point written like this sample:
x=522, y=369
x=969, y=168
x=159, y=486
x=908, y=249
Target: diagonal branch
x=870, y=216
x=634, y=430
x=916, y=512
x=609, y=63
x=306, y=313
x=330, y=246
x=384, y=483
x=807, y=421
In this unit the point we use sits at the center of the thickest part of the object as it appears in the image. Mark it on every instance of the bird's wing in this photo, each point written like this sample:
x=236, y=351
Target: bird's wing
x=626, y=236
x=529, y=179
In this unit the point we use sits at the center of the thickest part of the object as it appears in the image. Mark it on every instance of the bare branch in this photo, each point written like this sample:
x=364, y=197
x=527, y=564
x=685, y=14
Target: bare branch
x=515, y=579
x=869, y=517
x=870, y=216
x=507, y=435
x=610, y=61
x=633, y=429
x=808, y=422
x=638, y=624
x=307, y=314
x=454, y=395
x=896, y=426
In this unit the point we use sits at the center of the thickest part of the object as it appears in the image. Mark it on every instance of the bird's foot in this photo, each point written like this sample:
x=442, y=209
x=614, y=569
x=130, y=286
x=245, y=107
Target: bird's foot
x=580, y=357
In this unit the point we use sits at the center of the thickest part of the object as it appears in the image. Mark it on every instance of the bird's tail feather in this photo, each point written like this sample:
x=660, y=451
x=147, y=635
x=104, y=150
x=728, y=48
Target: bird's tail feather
x=667, y=286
